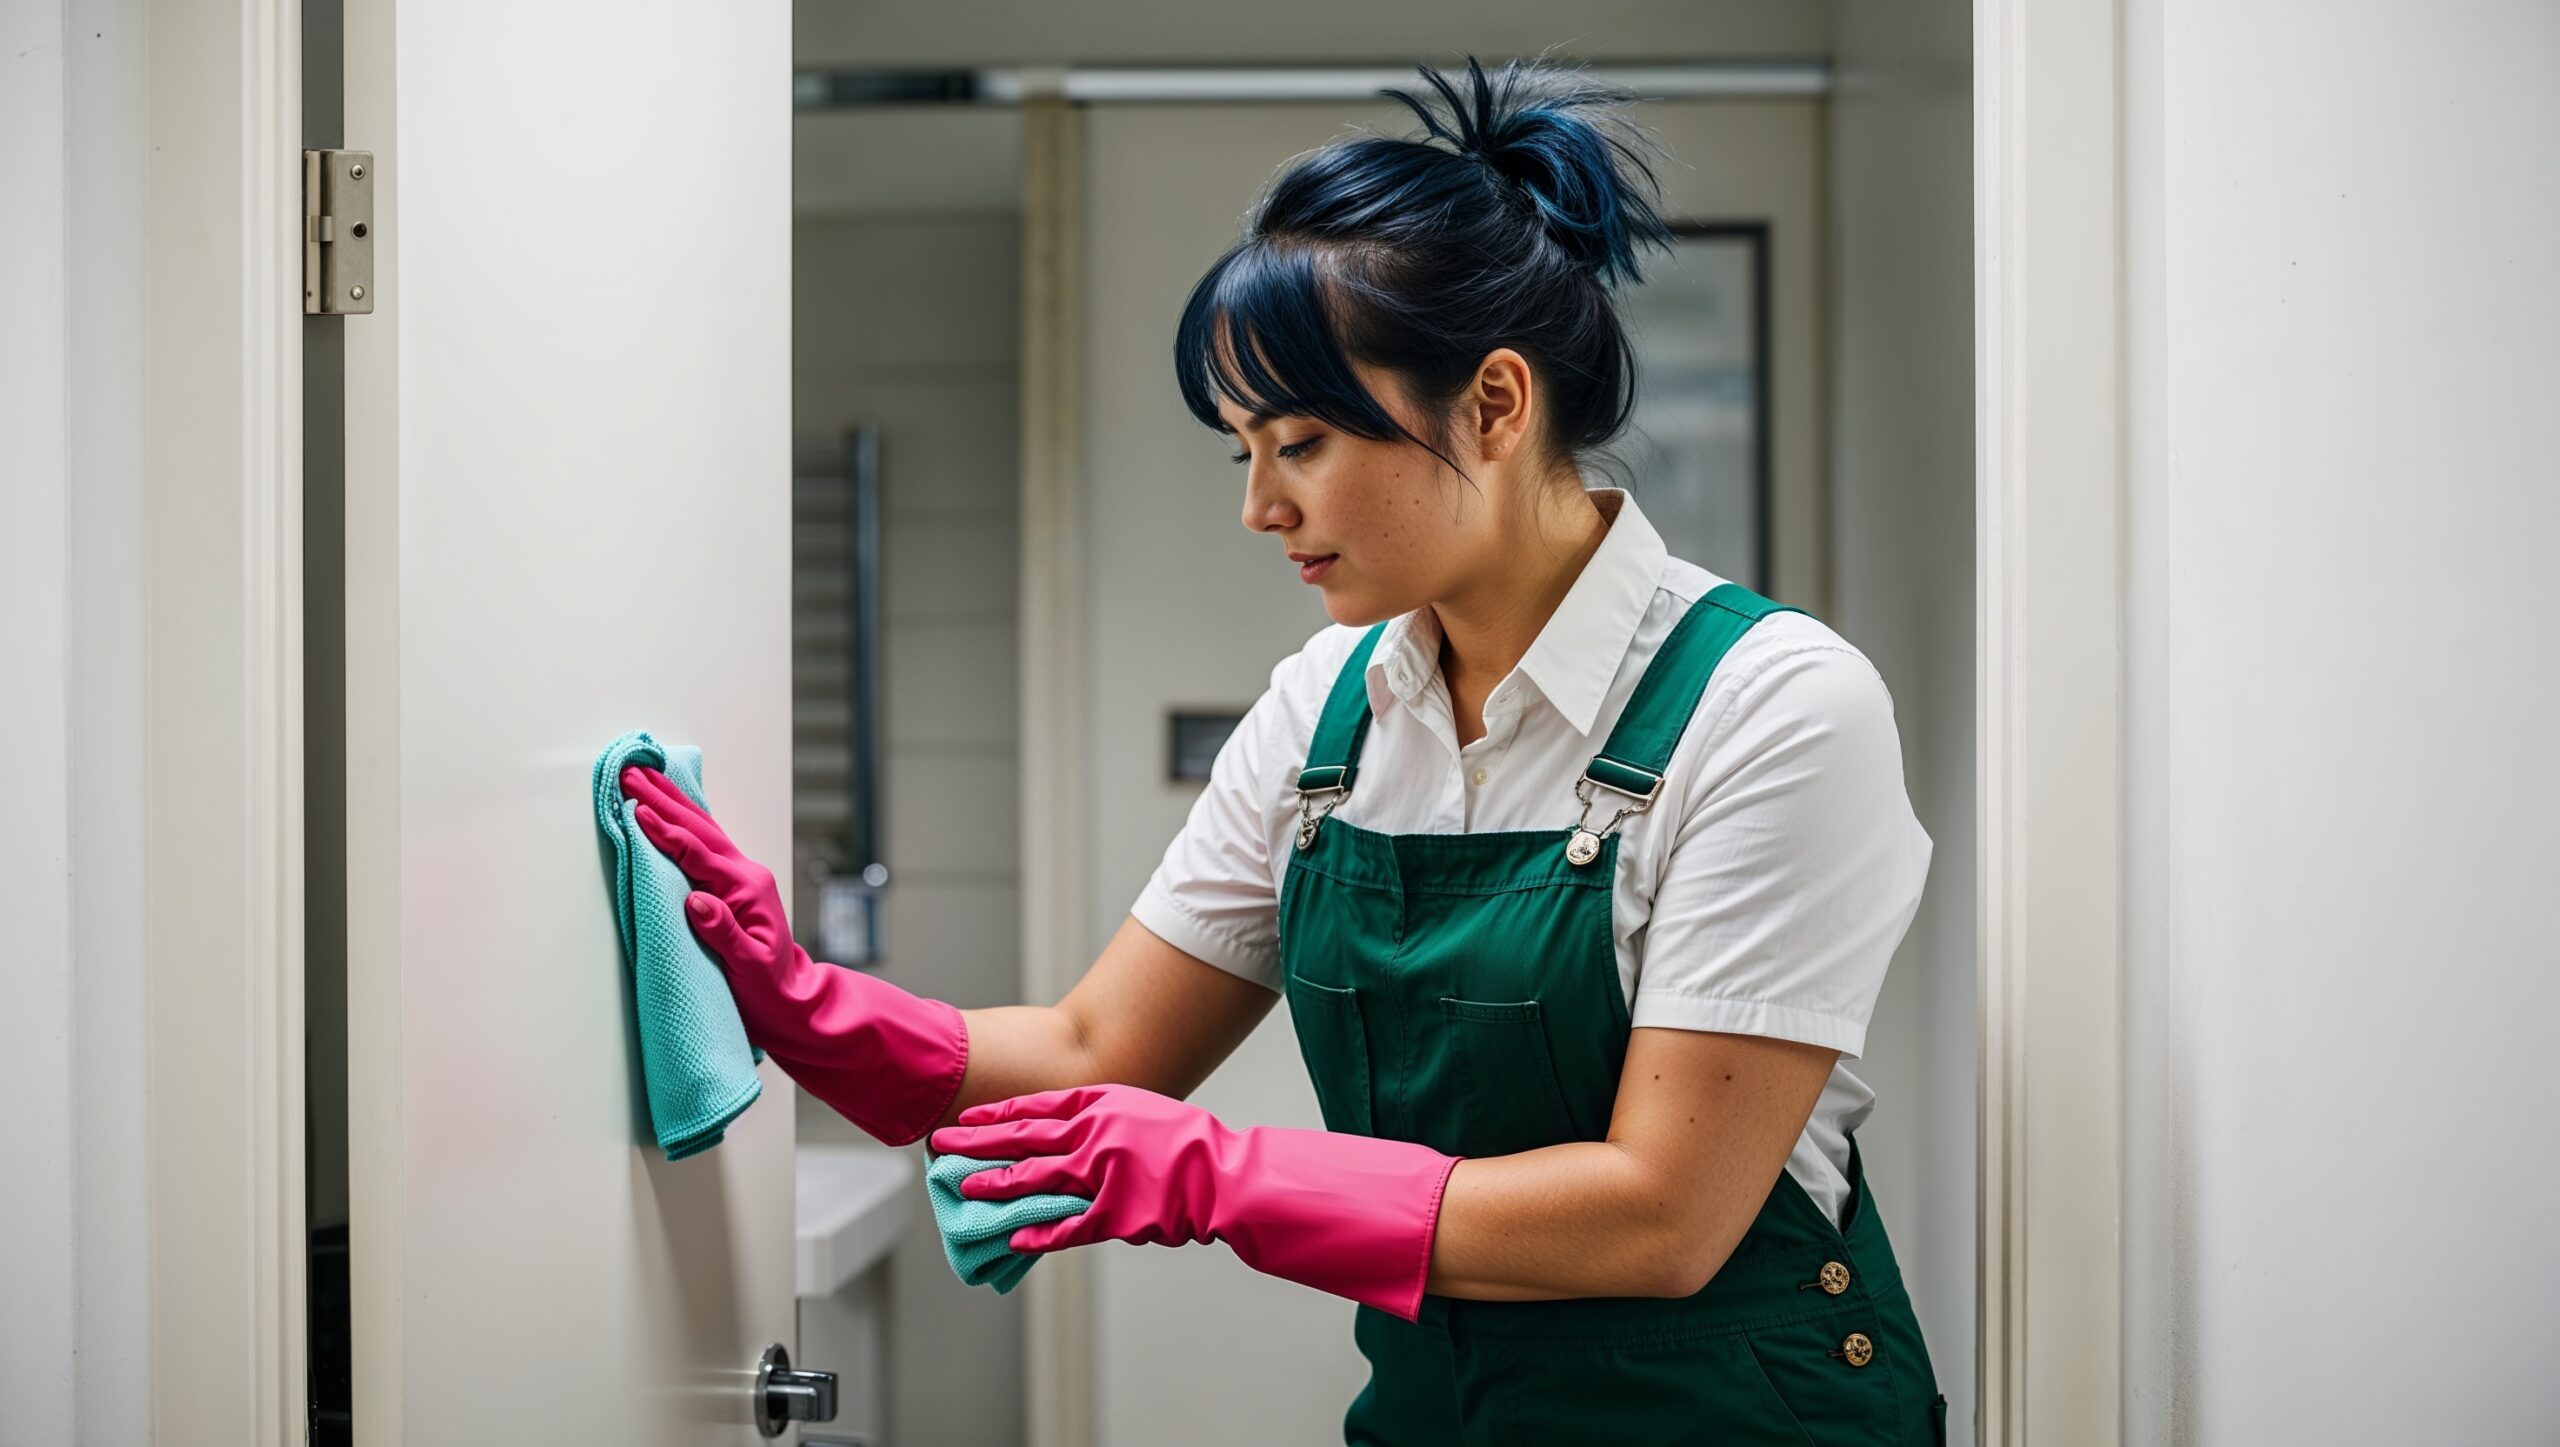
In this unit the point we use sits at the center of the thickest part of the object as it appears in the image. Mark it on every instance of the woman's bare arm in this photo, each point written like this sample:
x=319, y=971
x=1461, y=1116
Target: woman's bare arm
x=1146, y=1014
x=1704, y=1123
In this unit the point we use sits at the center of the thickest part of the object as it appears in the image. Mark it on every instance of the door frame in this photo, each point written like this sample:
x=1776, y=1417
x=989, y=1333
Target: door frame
x=2049, y=459
x=222, y=719
x=1058, y=1390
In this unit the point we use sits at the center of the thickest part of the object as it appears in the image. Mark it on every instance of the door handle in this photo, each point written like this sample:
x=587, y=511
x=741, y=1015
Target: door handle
x=783, y=1396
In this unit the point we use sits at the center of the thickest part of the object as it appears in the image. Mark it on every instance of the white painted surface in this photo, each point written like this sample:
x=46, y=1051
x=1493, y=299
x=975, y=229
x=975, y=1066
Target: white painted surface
x=1902, y=480
x=38, y=1276
x=568, y=515
x=134, y=165
x=2345, y=804
x=105, y=380
x=2048, y=439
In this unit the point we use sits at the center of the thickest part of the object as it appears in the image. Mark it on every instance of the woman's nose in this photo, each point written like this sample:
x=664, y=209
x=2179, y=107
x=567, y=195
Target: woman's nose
x=1266, y=509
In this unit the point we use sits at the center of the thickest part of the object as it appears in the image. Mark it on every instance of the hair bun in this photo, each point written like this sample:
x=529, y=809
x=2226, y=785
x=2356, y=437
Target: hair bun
x=1565, y=141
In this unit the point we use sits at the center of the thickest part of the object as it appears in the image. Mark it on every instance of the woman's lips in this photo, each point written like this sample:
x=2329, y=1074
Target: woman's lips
x=1312, y=572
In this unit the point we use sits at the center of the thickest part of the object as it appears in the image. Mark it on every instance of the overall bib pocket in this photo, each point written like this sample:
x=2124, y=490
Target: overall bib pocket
x=1513, y=1101
x=1335, y=1043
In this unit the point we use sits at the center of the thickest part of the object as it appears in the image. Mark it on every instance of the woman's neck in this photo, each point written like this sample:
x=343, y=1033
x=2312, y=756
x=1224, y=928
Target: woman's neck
x=1485, y=633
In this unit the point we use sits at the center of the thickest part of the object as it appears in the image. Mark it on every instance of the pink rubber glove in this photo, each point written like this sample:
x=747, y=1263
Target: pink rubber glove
x=1348, y=1214
x=887, y=1060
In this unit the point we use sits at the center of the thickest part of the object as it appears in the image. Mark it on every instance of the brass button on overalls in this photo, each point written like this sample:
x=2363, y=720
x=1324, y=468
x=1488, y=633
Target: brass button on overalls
x=1856, y=1349
x=1834, y=1278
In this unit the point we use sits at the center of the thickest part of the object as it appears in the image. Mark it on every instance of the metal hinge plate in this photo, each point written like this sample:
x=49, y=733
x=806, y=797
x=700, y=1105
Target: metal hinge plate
x=337, y=233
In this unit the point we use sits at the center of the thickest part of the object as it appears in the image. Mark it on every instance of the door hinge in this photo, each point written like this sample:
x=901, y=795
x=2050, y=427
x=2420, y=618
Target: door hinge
x=337, y=233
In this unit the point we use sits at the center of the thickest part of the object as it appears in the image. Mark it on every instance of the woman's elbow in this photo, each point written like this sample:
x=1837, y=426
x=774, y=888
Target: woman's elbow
x=1681, y=1241
x=1685, y=1274
x=1686, y=1258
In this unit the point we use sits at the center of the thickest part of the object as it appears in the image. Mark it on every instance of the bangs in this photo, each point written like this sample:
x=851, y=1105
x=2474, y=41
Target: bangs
x=1291, y=363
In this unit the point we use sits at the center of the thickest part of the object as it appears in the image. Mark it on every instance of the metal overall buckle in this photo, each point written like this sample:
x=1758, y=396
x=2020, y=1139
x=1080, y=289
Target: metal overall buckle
x=1584, y=846
x=1309, y=816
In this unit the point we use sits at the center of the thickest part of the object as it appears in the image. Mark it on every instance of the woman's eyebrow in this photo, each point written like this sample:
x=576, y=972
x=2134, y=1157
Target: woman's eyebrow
x=1252, y=423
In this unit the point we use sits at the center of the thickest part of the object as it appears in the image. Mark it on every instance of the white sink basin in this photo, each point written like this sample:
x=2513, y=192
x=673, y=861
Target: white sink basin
x=854, y=1204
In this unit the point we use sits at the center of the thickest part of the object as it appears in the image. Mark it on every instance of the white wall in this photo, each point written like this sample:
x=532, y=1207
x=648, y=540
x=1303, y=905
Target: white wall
x=75, y=1335
x=2343, y=792
x=1902, y=589
x=37, y=1275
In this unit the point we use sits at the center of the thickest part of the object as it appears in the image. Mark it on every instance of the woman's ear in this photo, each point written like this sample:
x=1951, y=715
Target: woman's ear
x=1502, y=400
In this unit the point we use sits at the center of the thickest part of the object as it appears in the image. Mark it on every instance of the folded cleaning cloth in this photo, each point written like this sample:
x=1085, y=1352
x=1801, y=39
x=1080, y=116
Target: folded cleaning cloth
x=974, y=1232
x=694, y=1055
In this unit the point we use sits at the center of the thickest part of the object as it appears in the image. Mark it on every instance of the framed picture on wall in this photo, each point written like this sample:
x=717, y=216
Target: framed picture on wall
x=1698, y=443
x=1192, y=740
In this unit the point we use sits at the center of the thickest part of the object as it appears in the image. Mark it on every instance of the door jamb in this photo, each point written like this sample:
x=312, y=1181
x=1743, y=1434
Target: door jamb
x=1058, y=1309
x=1057, y=1324
x=2049, y=432
x=223, y=692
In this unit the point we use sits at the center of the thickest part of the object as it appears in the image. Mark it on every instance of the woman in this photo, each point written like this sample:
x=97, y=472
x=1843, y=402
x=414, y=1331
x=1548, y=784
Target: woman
x=1588, y=1167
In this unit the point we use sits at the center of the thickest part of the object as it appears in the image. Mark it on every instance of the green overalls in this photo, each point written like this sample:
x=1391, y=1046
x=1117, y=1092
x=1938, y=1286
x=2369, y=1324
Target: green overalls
x=1461, y=990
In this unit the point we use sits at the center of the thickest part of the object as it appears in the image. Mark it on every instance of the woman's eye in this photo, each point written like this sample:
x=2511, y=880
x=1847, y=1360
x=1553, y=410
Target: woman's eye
x=1293, y=451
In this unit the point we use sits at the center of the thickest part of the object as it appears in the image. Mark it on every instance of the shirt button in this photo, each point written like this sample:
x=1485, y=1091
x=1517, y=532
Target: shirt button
x=1477, y=776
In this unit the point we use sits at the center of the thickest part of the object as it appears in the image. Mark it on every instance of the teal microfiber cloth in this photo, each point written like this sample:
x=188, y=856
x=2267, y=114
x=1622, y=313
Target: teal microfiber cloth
x=694, y=1056
x=974, y=1232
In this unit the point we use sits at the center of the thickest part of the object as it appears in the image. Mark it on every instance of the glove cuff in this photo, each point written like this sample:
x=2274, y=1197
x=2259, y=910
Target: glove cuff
x=888, y=1060
x=1353, y=1215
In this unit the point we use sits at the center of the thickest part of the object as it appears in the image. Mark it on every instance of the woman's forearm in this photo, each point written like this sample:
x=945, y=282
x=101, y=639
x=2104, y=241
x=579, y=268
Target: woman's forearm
x=1588, y=1218
x=1144, y=1014
x=1702, y=1127
x=1018, y=1049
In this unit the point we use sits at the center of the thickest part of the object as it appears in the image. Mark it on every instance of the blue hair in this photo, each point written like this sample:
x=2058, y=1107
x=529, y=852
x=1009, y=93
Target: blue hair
x=1421, y=259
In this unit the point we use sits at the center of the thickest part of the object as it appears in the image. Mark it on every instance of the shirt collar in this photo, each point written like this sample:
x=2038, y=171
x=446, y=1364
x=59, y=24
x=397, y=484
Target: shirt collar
x=1576, y=654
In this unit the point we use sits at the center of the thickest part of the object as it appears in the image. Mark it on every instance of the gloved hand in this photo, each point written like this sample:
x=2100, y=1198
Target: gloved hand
x=885, y=1059
x=1348, y=1214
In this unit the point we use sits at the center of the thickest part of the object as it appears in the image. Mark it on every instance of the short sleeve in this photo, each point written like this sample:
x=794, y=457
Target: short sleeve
x=1215, y=894
x=1798, y=865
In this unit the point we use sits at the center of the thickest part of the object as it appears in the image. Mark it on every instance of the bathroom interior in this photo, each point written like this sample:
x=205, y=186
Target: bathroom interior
x=983, y=285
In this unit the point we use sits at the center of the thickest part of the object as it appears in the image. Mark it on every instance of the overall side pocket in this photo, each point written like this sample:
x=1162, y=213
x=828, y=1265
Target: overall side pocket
x=1678, y=1387
x=1835, y=1398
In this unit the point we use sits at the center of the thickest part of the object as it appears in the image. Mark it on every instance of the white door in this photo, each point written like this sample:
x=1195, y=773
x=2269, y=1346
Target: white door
x=568, y=497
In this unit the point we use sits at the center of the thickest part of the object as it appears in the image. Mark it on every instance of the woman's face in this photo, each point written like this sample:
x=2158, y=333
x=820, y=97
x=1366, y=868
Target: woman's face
x=1381, y=527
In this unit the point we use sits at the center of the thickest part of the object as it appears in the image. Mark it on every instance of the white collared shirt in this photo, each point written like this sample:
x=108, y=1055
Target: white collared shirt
x=1763, y=893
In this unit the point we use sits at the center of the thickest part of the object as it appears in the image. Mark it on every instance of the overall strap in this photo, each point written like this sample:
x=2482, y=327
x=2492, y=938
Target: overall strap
x=1333, y=757
x=1639, y=747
